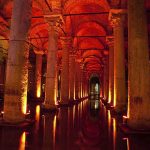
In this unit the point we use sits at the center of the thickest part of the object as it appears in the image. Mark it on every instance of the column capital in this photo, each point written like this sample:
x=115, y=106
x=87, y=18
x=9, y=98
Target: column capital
x=39, y=52
x=110, y=40
x=117, y=17
x=66, y=41
x=81, y=65
x=54, y=20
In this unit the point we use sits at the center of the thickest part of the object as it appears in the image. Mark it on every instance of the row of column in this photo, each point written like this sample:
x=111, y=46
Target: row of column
x=114, y=80
x=71, y=71
x=138, y=112
x=15, y=98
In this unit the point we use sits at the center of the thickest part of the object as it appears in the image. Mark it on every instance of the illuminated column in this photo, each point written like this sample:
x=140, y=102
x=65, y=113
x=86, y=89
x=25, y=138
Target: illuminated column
x=110, y=42
x=38, y=74
x=82, y=78
x=102, y=85
x=51, y=74
x=76, y=81
x=119, y=60
x=139, y=67
x=83, y=86
x=66, y=42
x=79, y=80
x=72, y=76
x=106, y=79
x=15, y=96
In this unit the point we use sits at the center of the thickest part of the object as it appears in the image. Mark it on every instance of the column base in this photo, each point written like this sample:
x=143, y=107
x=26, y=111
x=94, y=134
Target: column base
x=71, y=101
x=37, y=100
x=105, y=102
x=138, y=124
x=50, y=108
x=120, y=109
x=23, y=124
x=64, y=104
x=109, y=106
x=128, y=130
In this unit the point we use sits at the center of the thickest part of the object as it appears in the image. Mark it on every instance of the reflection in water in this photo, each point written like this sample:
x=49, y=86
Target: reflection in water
x=109, y=122
x=73, y=115
x=114, y=134
x=128, y=148
x=81, y=127
x=22, y=141
x=54, y=131
x=37, y=116
x=127, y=143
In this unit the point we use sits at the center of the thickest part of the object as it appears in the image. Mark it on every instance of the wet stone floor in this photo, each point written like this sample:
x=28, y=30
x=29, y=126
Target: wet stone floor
x=86, y=126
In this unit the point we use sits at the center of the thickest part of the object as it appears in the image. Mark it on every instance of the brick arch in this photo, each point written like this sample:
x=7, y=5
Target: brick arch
x=91, y=24
x=91, y=42
x=72, y=3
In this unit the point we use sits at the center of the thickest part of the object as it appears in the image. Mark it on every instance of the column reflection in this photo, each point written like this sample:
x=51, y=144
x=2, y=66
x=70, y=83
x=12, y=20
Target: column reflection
x=48, y=134
x=22, y=141
x=114, y=134
x=37, y=116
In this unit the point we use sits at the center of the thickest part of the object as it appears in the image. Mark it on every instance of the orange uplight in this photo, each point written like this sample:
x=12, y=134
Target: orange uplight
x=114, y=133
x=37, y=116
x=22, y=141
x=24, y=104
x=109, y=122
x=55, y=97
x=73, y=114
x=128, y=111
x=38, y=92
x=110, y=98
x=114, y=98
x=54, y=129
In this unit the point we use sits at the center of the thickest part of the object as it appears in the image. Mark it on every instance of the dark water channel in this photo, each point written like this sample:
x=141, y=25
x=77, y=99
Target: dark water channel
x=86, y=126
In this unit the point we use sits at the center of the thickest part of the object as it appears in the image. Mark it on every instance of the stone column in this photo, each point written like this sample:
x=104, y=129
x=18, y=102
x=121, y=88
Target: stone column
x=119, y=60
x=38, y=74
x=79, y=79
x=102, y=85
x=15, y=96
x=72, y=76
x=106, y=79
x=51, y=74
x=76, y=81
x=139, y=67
x=66, y=42
x=110, y=42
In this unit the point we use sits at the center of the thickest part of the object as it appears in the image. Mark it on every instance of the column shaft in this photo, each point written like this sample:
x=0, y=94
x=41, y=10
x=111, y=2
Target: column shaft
x=111, y=70
x=65, y=70
x=119, y=65
x=106, y=80
x=38, y=74
x=51, y=74
x=139, y=68
x=15, y=97
x=72, y=77
x=76, y=81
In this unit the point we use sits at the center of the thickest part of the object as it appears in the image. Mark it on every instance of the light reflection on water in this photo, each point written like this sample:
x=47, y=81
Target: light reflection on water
x=114, y=133
x=109, y=122
x=22, y=141
x=37, y=116
x=73, y=128
x=54, y=131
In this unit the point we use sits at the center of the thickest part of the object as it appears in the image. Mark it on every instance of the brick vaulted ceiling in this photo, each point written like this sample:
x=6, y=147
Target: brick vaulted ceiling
x=85, y=20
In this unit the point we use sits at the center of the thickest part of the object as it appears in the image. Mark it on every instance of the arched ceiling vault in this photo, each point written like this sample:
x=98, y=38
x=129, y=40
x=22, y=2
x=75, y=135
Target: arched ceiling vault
x=85, y=20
